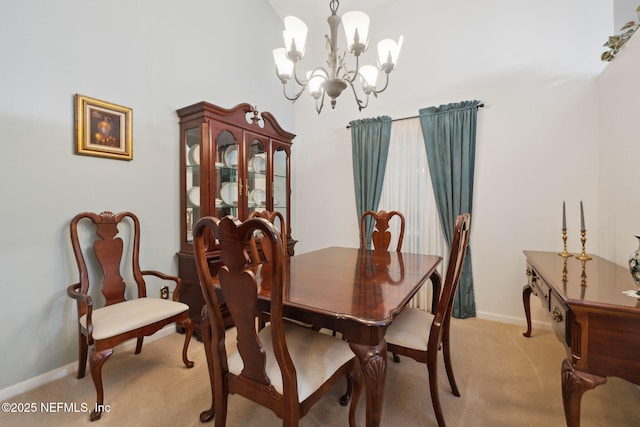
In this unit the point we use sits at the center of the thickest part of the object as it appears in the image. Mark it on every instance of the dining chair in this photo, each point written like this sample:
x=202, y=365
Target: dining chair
x=284, y=367
x=276, y=219
x=417, y=334
x=260, y=252
x=121, y=318
x=380, y=237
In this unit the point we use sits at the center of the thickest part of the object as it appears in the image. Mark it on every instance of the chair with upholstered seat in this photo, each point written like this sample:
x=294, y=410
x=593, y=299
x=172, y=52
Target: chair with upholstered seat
x=418, y=334
x=275, y=218
x=120, y=319
x=380, y=237
x=284, y=367
x=258, y=251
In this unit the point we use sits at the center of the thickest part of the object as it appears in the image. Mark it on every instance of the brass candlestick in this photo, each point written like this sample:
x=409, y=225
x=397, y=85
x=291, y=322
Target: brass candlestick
x=583, y=238
x=564, y=252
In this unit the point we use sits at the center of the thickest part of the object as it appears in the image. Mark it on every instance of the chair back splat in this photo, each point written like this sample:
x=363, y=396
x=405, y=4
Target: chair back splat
x=120, y=319
x=276, y=366
x=417, y=334
x=381, y=236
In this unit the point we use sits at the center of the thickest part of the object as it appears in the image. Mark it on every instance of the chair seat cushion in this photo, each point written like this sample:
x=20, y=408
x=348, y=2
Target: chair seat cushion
x=126, y=316
x=315, y=355
x=410, y=329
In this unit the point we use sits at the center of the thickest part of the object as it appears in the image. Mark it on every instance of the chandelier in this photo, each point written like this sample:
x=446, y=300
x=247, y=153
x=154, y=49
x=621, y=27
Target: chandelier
x=337, y=77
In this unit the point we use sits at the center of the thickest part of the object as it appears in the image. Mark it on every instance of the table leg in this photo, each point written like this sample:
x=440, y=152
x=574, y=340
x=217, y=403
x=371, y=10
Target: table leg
x=574, y=384
x=373, y=363
x=526, y=301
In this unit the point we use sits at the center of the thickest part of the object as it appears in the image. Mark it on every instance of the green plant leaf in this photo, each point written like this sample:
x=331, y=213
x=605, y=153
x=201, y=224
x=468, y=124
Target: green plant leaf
x=629, y=33
x=628, y=25
x=615, y=42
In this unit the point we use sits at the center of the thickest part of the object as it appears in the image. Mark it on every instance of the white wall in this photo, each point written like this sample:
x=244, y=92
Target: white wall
x=623, y=12
x=154, y=57
x=534, y=65
x=619, y=147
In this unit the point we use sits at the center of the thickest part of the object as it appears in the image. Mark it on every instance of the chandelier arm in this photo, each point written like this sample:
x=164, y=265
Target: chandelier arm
x=300, y=82
x=319, y=68
x=361, y=105
x=296, y=96
x=353, y=72
x=348, y=73
x=318, y=109
x=386, y=83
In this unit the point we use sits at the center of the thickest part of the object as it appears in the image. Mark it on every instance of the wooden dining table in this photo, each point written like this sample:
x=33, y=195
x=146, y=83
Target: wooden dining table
x=357, y=292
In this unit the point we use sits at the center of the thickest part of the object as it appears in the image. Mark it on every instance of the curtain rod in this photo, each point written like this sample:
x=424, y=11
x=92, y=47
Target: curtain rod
x=414, y=117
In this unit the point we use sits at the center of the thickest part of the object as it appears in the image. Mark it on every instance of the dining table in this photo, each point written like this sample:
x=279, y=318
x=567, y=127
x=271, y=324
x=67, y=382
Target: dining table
x=358, y=293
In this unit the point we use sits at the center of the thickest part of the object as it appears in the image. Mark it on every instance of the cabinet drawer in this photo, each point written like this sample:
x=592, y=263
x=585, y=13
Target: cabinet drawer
x=539, y=287
x=560, y=314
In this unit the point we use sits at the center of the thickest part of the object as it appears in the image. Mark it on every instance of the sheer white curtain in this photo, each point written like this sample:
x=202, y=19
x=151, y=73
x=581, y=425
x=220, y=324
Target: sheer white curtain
x=407, y=188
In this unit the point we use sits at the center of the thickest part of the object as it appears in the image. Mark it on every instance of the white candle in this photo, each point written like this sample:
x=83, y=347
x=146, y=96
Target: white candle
x=564, y=217
x=581, y=217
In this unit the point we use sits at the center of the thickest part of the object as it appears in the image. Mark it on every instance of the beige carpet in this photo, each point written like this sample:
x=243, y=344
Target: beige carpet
x=505, y=380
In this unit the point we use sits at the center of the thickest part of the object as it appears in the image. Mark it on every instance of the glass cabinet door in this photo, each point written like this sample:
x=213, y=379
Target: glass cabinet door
x=226, y=189
x=256, y=182
x=192, y=138
x=280, y=184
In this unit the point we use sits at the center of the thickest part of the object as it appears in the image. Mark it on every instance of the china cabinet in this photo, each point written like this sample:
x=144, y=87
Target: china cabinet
x=232, y=162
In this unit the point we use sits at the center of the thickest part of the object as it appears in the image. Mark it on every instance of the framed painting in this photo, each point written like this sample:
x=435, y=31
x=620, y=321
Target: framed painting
x=103, y=129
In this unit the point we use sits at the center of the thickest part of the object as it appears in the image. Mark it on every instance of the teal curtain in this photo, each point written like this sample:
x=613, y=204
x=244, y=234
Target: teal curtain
x=370, y=147
x=450, y=140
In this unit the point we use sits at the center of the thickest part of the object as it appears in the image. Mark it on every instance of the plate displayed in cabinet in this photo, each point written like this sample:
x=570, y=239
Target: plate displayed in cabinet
x=193, y=196
x=257, y=163
x=258, y=196
x=194, y=155
x=231, y=156
x=229, y=193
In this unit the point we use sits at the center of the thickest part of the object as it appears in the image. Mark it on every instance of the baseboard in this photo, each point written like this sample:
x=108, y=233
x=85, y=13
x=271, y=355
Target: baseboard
x=535, y=324
x=70, y=369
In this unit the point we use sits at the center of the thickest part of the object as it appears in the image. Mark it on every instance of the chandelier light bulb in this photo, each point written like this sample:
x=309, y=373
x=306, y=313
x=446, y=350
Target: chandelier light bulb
x=316, y=78
x=369, y=75
x=356, y=29
x=388, y=52
x=284, y=66
x=295, y=37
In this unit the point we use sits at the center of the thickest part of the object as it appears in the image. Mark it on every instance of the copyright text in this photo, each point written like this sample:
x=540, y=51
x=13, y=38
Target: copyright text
x=51, y=407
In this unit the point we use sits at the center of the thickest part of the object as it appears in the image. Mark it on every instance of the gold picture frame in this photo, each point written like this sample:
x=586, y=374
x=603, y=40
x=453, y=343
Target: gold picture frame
x=103, y=129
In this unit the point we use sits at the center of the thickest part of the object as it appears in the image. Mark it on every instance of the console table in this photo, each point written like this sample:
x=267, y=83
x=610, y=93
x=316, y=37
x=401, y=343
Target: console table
x=597, y=322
